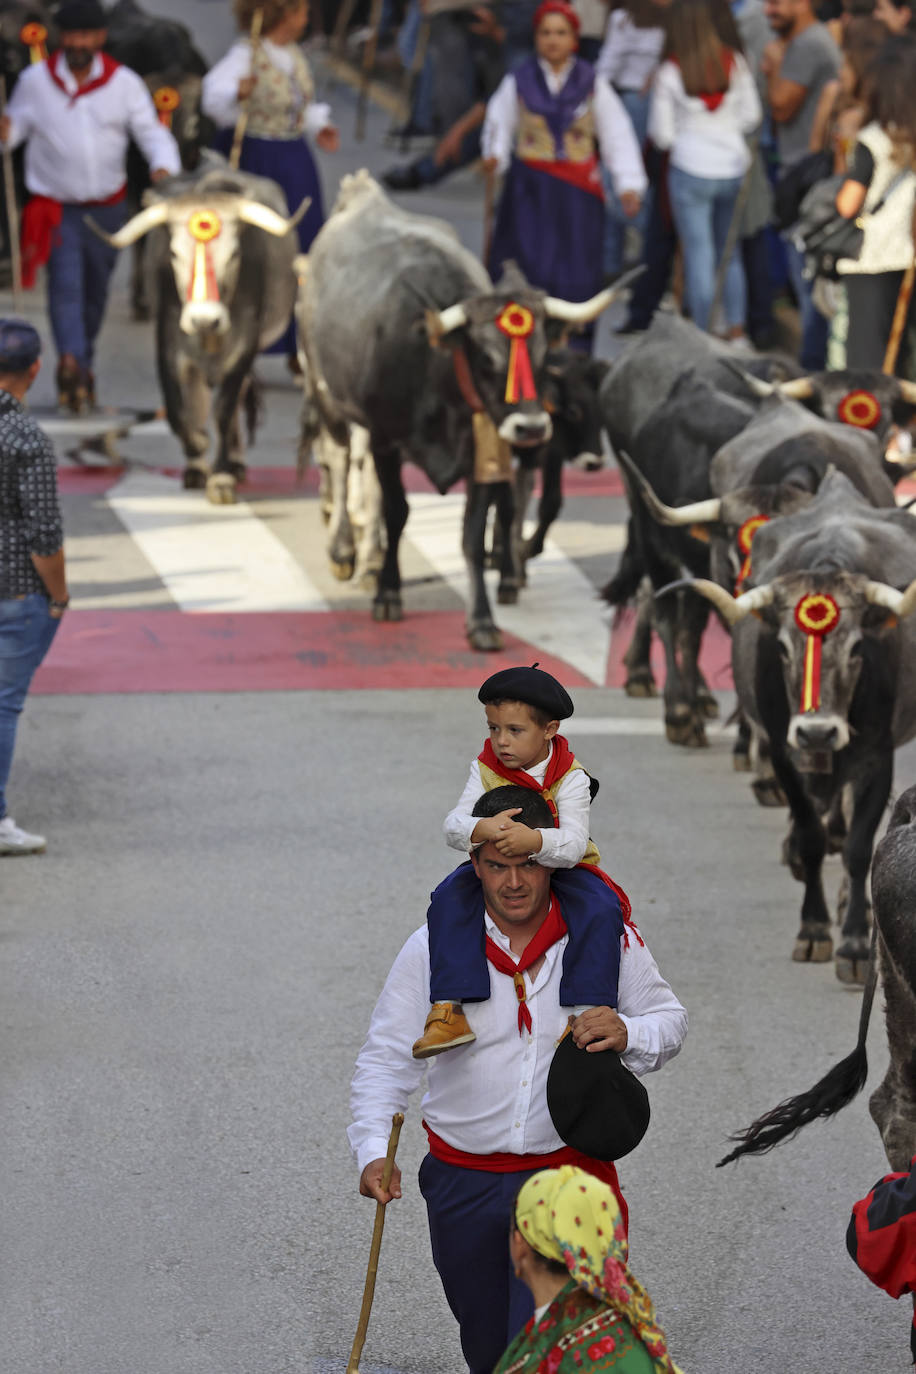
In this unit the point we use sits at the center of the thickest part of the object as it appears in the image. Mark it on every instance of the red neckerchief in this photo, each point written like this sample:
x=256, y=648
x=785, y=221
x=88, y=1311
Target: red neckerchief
x=713, y=99
x=553, y=929
x=109, y=67
x=561, y=760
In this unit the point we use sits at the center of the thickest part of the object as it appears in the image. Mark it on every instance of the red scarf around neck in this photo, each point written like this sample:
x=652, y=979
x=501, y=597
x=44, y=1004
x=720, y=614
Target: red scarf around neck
x=561, y=760
x=553, y=929
x=109, y=67
x=713, y=99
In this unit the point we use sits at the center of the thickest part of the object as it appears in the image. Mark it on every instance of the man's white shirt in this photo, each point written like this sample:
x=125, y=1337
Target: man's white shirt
x=491, y=1096
x=76, y=148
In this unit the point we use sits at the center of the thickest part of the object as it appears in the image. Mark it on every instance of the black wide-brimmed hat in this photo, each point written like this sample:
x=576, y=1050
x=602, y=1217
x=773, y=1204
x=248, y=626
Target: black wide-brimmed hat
x=75, y=16
x=530, y=685
x=596, y=1104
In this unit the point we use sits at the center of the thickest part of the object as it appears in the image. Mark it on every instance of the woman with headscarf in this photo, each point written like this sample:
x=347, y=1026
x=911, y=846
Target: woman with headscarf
x=547, y=126
x=568, y=1244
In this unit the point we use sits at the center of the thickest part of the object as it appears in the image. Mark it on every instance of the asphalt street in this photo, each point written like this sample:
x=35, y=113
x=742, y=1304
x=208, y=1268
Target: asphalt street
x=186, y=976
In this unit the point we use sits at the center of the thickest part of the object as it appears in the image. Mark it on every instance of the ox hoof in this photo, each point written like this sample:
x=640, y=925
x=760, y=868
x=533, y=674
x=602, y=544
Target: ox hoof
x=507, y=596
x=640, y=685
x=387, y=606
x=741, y=761
x=768, y=792
x=342, y=570
x=708, y=706
x=194, y=479
x=221, y=489
x=850, y=971
x=486, y=639
x=686, y=731
x=808, y=950
x=368, y=581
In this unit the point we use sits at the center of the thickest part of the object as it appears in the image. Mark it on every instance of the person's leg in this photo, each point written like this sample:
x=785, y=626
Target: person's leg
x=66, y=288
x=814, y=327
x=659, y=245
x=872, y=300
x=98, y=263
x=26, y=632
x=469, y=1212
x=692, y=200
x=734, y=290
x=755, y=254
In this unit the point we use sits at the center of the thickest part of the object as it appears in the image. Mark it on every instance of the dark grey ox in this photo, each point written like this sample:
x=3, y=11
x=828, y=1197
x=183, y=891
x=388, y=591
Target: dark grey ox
x=222, y=258
x=836, y=746
x=893, y=950
x=397, y=323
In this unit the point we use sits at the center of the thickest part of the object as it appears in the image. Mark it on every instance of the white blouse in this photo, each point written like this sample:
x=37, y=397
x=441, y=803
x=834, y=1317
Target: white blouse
x=220, y=90
x=629, y=56
x=617, y=145
x=706, y=143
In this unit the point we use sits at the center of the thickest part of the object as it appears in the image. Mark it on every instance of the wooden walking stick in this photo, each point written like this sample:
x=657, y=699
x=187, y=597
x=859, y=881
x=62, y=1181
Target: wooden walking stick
x=241, y=123
x=359, y=1340
x=734, y=230
x=904, y=296
x=12, y=212
x=412, y=79
x=368, y=66
x=489, y=205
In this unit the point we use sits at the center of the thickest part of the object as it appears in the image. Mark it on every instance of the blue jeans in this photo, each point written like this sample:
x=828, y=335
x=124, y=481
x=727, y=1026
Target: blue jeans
x=615, y=225
x=79, y=269
x=703, y=209
x=26, y=631
x=815, y=327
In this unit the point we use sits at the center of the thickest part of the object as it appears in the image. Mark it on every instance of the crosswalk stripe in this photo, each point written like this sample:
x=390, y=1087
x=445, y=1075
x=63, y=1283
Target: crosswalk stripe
x=558, y=611
x=211, y=558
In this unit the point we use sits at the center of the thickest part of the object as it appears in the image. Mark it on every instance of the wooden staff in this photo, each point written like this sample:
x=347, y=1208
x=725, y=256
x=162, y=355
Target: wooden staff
x=397, y=1121
x=368, y=66
x=412, y=79
x=339, y=36
x=904, y=295
x=734, y=230
x=489, y=206
x=12, y=212
x=241, y=123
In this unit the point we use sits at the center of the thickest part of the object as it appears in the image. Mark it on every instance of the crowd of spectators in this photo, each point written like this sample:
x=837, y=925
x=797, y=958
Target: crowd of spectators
x=736, y=109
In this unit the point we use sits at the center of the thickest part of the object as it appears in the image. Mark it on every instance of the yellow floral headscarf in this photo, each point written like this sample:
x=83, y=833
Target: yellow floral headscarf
x=568, y=1215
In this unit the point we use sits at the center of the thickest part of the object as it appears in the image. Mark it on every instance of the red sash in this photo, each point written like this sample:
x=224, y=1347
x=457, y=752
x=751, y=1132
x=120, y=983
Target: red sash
x=552, y=930
x=109, y=67
x=504, y=1163
x=584, y=176
x=561, y=760
x=38, y=235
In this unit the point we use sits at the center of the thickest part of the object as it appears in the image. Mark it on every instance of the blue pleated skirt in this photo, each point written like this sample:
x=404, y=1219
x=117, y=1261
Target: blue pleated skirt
x=553, y=230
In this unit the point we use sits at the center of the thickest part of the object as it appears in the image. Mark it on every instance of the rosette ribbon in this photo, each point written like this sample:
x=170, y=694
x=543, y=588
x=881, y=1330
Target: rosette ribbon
x=860, y=408
x=815, y=615
x=166, y=99
x=35, y=38
x=517, y=323
x=203, y=226
x=744, y=539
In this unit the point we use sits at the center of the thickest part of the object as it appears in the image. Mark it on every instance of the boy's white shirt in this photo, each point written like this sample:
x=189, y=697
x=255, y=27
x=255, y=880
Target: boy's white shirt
x=561, y=847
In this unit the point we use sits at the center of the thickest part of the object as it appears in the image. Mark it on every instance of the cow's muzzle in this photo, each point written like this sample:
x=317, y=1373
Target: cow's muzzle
x=526, y=431
x=206, y=319
x=815, y=731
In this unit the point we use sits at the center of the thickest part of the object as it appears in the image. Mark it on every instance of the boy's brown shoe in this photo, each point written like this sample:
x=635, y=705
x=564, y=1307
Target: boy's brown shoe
x=446, y=1027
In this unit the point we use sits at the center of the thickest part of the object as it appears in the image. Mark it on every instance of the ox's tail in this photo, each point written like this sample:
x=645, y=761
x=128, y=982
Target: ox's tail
x=834, y=1091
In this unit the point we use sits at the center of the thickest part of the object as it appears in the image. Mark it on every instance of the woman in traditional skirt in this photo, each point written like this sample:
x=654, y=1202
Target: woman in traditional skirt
x=546, y=126
x=276, y=82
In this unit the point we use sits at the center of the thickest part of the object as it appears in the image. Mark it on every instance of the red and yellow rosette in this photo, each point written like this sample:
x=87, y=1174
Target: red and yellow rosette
x=744, y=539
x=517, y=323
x=166, y=99
x=203, y=226
x=815, y=615
x=860, y=408
x=35, y=38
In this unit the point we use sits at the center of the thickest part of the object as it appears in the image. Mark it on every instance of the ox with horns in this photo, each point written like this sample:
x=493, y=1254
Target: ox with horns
x=893, y=1103
x=823, y=656
x=222, y=255
x=403, y=333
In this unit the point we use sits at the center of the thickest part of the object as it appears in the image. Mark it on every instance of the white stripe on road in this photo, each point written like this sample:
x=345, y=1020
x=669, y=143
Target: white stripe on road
x=94, y=426
x=211, y=558
x=559, y=610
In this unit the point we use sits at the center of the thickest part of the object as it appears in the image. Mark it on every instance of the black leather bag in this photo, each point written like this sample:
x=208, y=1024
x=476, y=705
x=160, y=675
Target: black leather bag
x=795, y=184
x=824, y=235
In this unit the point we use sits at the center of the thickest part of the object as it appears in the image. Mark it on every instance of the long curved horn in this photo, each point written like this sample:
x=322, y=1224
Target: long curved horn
x=452, y=317
x=697, y=513
x=901, y=604
x=150, y=218
x=753, y=384
x=262, y=217
x=583, y=312
x=732, y=608
x=799, y=389
x=907, y=390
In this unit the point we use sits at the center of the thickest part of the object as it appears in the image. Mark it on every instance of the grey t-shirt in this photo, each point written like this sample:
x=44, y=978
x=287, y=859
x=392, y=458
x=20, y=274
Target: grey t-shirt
x=812, y=59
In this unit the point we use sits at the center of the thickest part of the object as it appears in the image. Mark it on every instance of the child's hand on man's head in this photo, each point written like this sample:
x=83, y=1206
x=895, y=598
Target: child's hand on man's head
x=490, y=827
x=516, y=840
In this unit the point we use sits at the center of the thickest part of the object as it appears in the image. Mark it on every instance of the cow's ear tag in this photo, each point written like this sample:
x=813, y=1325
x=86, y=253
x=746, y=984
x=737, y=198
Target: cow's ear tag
x=699, y=532
x=434, y=330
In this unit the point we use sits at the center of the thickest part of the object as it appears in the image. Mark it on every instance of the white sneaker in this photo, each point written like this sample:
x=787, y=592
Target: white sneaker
x=16, y=841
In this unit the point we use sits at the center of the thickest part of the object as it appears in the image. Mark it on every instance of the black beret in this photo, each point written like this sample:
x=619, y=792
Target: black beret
x=20, y=345
x=595, y=1103
x=530, y=685
x=77, y=15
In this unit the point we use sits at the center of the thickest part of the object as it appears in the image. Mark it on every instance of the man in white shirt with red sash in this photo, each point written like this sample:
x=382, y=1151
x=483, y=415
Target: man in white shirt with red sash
x=486, y=1106
x=76, y=114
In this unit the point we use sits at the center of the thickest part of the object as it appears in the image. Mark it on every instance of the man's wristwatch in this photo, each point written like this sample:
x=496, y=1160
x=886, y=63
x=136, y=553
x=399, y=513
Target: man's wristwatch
x=59, y=605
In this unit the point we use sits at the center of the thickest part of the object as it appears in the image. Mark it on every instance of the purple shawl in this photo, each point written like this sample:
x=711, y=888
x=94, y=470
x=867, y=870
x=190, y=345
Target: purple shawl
x=558, y=110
